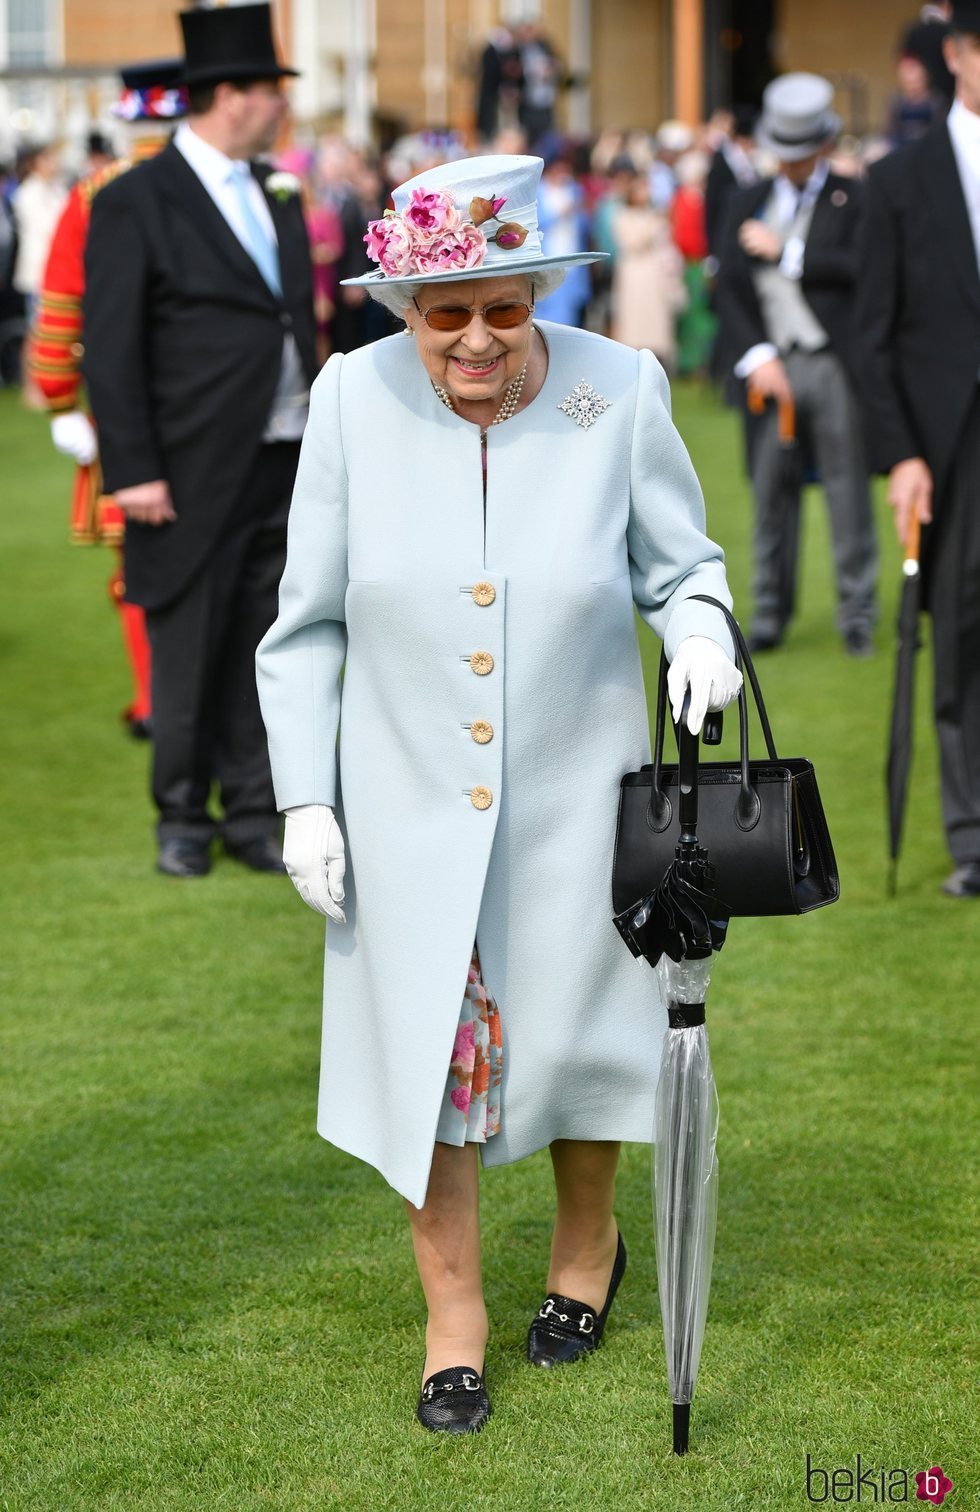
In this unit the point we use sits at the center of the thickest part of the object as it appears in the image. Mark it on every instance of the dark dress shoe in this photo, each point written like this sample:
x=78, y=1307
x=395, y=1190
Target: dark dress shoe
x=964, y=882
x=139, y=729
x=565, y=1330
x=764, y=640
x=859, y=644
x=453, y=1401
x=263, y=854
x=185, y=858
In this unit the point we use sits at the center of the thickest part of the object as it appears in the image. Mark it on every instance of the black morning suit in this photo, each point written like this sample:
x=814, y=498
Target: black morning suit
x=828, y=418
x=719, y=187
x=919, y=321
x=830, y=266
x=183, y=346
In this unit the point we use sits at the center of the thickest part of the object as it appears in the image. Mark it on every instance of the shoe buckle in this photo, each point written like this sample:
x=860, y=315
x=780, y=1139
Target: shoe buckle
x=549, y=1309
x=470, y=1382
x=586, y=1323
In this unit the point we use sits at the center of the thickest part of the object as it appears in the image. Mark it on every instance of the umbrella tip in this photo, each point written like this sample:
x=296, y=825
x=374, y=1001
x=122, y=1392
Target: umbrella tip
x=682, y=1423
x=893, y=878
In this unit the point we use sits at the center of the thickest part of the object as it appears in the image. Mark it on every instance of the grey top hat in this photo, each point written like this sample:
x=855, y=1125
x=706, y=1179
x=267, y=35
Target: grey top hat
x=797, y=116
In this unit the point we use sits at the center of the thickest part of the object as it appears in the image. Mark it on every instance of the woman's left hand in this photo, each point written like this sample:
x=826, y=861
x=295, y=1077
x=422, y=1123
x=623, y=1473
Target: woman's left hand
x=714, y=679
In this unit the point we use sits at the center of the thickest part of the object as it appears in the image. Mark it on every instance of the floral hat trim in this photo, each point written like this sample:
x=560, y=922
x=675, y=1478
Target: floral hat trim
x=431, y=236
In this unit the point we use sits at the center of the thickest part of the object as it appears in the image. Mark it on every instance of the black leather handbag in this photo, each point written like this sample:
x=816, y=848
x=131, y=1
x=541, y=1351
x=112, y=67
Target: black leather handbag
x=762, y=822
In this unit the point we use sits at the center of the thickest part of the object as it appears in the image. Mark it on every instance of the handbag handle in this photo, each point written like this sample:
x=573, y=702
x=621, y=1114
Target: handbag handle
x=748, y=807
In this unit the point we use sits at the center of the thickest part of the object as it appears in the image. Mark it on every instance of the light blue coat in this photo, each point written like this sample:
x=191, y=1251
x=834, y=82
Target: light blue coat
x=386, y=541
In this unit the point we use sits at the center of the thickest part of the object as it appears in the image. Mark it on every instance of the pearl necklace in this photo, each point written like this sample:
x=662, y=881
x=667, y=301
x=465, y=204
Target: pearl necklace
x=508, y=404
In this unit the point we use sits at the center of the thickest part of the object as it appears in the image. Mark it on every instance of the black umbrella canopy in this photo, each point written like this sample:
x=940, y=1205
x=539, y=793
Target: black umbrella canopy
x=682, y=918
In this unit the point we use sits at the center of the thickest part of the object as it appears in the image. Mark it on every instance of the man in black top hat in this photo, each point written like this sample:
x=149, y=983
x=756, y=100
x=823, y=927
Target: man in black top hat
x=200, y=353
x=919, y=319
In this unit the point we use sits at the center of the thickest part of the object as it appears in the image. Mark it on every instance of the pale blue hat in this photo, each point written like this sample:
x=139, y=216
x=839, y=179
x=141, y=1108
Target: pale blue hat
x=502, y=176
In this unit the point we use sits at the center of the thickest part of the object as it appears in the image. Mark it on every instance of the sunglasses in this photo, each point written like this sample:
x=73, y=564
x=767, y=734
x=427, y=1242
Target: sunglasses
x=499, y=317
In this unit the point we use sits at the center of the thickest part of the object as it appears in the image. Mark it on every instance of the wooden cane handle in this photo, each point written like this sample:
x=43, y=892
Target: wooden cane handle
x=787, y=422
x=756, y=401
x=913, y=538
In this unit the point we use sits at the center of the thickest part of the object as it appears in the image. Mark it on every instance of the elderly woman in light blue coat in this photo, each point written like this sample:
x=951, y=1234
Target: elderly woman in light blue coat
x=481, y=501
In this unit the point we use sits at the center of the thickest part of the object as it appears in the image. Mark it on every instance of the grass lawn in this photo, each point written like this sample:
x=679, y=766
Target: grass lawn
x=203, y=1306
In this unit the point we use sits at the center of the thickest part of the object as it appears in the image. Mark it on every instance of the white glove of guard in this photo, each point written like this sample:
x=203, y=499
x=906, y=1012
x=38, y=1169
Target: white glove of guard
x=74, y=436
x=714, y=679
x=313, y=854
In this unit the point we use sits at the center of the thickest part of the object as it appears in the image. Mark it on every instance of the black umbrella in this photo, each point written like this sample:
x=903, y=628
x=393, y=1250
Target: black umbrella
x=900, y=735
x=677, y=928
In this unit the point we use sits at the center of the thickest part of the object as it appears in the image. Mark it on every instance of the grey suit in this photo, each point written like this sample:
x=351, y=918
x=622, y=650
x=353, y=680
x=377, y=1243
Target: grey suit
x=809, y=322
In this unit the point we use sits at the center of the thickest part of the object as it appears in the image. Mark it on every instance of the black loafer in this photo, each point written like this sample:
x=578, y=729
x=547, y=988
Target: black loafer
x=564, y=1329
x=184, y=858
x=263, y=854
x=964, y=882
x=764, y=640
x=453, y=1401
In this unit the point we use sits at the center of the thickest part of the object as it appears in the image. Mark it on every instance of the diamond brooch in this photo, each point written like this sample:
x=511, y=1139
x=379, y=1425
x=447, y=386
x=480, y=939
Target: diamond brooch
x=584, y=404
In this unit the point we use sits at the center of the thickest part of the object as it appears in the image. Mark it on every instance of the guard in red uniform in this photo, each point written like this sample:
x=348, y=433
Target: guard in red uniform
x=151, y=100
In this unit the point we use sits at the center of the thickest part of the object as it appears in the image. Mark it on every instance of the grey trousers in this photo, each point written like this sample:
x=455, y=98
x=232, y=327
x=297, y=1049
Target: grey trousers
x=827, y=413
x=952, y=565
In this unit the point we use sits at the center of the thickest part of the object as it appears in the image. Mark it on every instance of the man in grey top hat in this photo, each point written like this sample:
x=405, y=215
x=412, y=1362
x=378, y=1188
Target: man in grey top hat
x=919, y=319
x=785, y=295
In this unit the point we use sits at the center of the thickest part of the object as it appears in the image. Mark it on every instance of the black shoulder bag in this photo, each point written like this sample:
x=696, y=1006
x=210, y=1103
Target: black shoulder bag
x=762, y=822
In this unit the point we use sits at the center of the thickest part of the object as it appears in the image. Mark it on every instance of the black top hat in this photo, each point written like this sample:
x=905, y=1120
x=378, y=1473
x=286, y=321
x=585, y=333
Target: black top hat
x=230, y=42
x=160, y=73
x=966, y=16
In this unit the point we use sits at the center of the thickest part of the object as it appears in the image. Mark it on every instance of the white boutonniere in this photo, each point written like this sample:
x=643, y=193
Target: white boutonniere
x=283, y=185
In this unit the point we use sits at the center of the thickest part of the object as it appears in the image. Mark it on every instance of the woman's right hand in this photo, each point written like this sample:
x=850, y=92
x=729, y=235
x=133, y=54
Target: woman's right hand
x=314, y=856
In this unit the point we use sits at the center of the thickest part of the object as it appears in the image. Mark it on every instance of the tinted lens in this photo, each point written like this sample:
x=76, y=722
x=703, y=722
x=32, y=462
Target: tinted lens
x=448, y=317
x=503, y=317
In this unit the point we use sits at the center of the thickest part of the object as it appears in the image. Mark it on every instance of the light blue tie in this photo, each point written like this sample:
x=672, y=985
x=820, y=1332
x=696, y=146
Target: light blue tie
x=263, y=252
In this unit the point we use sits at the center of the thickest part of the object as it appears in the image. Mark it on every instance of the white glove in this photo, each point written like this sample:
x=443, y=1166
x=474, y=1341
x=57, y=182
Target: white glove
x=714, y=679
x=74, y=436
x=313, y=854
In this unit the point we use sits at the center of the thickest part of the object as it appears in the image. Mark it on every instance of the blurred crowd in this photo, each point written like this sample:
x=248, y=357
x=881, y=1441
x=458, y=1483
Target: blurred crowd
x=654, y=202
x=762, y=249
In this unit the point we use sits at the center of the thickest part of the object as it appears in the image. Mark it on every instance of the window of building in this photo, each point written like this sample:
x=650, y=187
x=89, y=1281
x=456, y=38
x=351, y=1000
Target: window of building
x=31, y=32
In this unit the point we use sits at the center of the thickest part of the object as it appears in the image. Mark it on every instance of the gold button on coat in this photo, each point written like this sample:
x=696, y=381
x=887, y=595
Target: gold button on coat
x=481, y=731
x=481, y=797
x=481, y=662
x=484, y=594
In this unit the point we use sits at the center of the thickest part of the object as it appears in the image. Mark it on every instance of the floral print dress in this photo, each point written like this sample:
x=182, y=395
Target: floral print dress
x=471, y=1102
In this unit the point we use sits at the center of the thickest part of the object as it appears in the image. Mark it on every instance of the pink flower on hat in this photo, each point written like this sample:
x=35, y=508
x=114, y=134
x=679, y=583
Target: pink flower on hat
x=431, y=212
x=453, y=252
x=389, y=244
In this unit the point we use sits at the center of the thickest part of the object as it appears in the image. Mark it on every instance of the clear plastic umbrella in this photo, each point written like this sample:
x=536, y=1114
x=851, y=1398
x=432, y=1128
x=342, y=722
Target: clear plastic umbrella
x=677, y=928
x=685, y=1180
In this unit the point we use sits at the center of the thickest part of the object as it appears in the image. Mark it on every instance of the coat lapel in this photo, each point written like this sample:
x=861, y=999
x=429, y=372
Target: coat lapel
x=189, y=194
x=941, y=180
x=833, y=197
